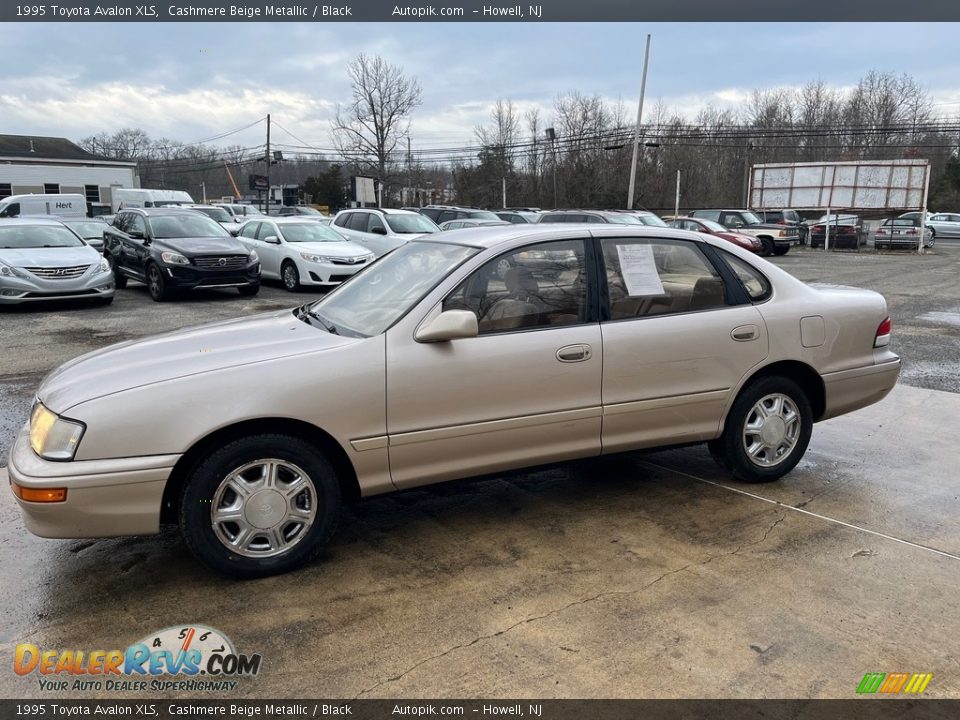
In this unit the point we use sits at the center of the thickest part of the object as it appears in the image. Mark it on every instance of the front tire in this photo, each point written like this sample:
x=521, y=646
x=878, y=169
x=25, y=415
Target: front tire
x=259, y=506
x=781, y=250
x=767, y=430
x=290, y=276
x=768, y=248
x=156, y=285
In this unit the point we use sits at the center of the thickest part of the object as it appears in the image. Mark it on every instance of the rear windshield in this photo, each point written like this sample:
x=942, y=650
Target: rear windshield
x=22, y=237
x=309, y=232
x=216, y=213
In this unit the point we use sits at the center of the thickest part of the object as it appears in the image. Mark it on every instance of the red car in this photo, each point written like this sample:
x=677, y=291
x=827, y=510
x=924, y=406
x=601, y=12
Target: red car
x=747, y=242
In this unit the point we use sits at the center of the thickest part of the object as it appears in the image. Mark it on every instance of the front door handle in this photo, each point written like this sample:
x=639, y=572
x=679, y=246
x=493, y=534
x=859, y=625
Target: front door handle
x=744, y=333
x=574, y=353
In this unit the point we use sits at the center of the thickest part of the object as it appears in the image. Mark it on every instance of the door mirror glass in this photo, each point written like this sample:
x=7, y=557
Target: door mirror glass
x=137, y=234
x=272, y=239
x=449, y=325
x=378, y=230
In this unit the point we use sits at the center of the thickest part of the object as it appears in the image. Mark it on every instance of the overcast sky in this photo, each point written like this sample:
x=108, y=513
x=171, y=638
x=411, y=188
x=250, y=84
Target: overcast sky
x=191, y=81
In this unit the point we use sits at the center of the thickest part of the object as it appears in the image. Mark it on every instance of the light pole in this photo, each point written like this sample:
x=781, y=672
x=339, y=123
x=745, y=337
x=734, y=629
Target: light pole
x=552, y=137
x=636, y=131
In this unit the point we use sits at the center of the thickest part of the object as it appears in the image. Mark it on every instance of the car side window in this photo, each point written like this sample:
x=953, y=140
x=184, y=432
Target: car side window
x=342, y=220
x=535, y=287
x=708, y=215
x=756, y=285
x=358, y=221
x=446, y=215
x=731, y=220
x=659, y=277
x=250, y=230
x=120, y=221
x=266, y=230
x=135, y=223
x=374, y=223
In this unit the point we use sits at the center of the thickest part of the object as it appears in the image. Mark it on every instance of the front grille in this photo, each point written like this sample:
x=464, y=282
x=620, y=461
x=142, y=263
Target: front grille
x=58, y=273
x=221, y=262
x=360, y=260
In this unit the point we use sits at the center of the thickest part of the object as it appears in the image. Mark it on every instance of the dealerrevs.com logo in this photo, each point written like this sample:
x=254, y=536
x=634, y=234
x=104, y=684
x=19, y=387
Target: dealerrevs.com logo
x=199, y=657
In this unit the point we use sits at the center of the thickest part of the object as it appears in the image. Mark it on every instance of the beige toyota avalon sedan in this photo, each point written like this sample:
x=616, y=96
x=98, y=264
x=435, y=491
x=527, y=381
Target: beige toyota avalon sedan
x=441, y=361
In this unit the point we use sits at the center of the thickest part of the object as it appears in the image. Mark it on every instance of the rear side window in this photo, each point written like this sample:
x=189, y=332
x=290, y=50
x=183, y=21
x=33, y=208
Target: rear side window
x=753, y=281
x=708, y=214
x=358, y=221
x=553, y=219
x=659, y=277
x=250, y=230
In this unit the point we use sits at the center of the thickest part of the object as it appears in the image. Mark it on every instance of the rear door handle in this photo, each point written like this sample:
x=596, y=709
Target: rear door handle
x=574, y=353
x=745, y=333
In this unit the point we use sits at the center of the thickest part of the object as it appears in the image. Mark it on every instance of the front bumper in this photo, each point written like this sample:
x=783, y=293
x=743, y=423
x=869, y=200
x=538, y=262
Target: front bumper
x=850, y=390
x=329, y=274
x=105, y=498
x=188, y=277
x=15, y=289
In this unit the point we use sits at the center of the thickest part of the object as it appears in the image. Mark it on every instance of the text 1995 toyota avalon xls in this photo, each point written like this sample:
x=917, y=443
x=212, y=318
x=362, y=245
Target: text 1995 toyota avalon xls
x=432, y=365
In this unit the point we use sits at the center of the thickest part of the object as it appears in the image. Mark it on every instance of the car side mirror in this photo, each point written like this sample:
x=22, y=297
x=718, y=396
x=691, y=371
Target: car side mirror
x=379, y=230
x=234, y=231
x=448, y=325
x=137, y=234
x=272, y=239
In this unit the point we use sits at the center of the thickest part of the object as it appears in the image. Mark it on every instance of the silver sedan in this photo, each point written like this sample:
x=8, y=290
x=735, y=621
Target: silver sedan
x=429, y=366
x=42, y=259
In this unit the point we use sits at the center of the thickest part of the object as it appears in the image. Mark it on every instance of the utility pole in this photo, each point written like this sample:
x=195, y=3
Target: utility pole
x=267, y=211
x=409, y=173
x=504, y=181
x=676, y=207
x=636, y=132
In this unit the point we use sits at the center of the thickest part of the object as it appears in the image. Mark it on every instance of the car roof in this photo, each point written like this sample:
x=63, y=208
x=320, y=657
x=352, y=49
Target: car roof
x=494, y=235
x=286, y=219
x=385, y=211
x=27, y=220
x=166, y=210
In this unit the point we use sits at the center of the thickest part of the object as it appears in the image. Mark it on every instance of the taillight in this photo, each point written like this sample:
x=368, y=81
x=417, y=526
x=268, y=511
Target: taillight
x=881, y=231
x=818, y=228
x=911, y=232
x=882, y=338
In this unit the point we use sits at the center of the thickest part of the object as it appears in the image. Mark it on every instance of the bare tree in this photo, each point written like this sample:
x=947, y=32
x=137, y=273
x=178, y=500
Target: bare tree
x=370, y=126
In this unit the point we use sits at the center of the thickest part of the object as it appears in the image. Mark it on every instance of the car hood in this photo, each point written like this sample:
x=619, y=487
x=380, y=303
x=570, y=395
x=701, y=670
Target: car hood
x=771, y=226
x=343, y=249
x=50, y=257
x=190, y=351
x=204, y=246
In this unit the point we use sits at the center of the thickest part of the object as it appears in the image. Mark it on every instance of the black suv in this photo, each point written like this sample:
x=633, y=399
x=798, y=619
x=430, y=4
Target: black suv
x=173, y=249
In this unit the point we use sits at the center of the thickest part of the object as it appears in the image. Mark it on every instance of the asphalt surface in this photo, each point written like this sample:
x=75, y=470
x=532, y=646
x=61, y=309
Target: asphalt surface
x=646, y=575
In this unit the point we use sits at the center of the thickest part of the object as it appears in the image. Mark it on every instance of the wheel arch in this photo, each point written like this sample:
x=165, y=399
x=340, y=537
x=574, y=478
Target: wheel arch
x=346, y=474
x=802, y=374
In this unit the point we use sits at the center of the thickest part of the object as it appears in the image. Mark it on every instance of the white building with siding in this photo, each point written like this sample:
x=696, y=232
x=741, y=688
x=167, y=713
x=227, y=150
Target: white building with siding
x=30, y=164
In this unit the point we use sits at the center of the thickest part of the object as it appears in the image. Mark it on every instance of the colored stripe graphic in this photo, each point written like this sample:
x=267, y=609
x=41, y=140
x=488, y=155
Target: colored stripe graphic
x=871, y=682
x=893, y=683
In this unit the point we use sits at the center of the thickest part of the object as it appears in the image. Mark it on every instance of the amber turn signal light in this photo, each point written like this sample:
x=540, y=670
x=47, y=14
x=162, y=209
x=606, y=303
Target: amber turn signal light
x=46, y=495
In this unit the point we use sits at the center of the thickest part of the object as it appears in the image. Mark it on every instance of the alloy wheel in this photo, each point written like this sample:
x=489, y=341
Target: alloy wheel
x=771, y=430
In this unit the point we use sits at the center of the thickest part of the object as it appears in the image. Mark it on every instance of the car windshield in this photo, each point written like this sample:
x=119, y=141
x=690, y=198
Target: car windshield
x=22, y=237
x=374, y=299
x=87, y=229
x=308, y=232
x=652, y=220
x=215, y=213
x=185, y=226
x=750, y=219
x=624, y=219
x=711, y=225
x=307, y=211
x=412, y=223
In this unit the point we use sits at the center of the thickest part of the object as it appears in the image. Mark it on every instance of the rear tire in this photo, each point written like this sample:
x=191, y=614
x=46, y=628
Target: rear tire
x=767, y=430
x=274, y=520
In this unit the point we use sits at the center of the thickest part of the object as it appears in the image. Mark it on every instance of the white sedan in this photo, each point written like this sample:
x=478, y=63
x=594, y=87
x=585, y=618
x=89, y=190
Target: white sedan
x=299, y=251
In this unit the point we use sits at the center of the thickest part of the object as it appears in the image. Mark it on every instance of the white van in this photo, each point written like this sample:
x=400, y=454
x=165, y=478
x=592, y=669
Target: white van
x=145, y=198
x=64, y=205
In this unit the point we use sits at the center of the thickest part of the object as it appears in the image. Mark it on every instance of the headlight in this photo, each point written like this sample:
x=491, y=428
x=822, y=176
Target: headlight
x=53, y=437
x=315, y=258
x=104, y=266
x=253, y=256
x=173, y=258
x=7, y=271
